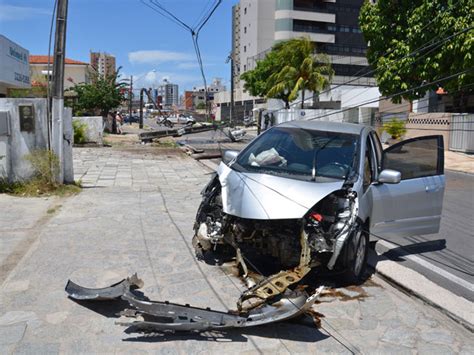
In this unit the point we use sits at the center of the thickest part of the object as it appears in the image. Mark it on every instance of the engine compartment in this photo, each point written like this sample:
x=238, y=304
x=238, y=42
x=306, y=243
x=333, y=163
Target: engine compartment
x=295, y=245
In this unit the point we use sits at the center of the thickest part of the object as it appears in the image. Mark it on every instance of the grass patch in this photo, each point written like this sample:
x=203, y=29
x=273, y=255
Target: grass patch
x=46, y=166
x=37, y=187
x=165, y=143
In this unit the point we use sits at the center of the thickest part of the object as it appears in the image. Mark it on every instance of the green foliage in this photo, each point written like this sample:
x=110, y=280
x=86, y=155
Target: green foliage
x=101, y=95
x=201, y=106
x=290, y=67
x=395, y=29
x=46, y=166
x=80, y=132
x=395, y=128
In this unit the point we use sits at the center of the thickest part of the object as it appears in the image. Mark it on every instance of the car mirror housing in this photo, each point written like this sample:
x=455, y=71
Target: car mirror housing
x=389, y=176
x=229, y=155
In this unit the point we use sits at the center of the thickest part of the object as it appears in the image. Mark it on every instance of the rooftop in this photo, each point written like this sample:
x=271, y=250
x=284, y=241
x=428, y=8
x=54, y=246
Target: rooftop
x=43, y=59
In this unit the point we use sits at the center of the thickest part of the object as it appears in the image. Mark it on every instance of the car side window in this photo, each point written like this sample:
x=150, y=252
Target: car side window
x=416, y=157
x=378, y=149
x=369, y=171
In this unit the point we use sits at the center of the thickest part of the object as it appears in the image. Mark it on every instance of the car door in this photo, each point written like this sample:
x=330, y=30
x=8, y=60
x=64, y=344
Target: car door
x=413, y=206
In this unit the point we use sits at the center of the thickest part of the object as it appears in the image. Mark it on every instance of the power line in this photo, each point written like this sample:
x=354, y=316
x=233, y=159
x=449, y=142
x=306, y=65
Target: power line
x=194, y=31
x=396, y=94
x=419, y=49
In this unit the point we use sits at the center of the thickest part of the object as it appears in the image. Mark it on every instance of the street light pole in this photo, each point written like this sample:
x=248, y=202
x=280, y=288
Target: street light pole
x=58, y=84
x=130, y=98
x=231, y=113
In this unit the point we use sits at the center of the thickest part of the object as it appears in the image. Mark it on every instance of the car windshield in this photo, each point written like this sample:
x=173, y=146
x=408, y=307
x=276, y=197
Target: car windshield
x=300, y=153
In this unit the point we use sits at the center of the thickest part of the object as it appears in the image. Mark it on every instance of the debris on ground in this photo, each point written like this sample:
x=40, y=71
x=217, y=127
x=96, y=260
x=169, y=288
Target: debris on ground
x=147, y=315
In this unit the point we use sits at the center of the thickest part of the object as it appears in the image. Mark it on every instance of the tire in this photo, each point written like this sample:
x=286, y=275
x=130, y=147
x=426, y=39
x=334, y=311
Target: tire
x=357, y=249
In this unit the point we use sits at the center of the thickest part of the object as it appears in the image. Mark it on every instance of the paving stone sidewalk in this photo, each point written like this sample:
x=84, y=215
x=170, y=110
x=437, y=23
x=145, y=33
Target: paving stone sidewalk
x=135, y=214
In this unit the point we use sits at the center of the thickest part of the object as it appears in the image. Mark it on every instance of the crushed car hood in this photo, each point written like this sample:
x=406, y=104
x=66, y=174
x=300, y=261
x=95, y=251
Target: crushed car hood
x=261, y=196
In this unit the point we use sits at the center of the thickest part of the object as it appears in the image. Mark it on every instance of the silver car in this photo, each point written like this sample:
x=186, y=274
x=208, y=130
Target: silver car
x=308, y=194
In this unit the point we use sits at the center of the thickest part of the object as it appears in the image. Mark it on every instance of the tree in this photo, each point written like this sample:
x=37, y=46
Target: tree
x=103, y=94
x=394, y=29
x=288, y=68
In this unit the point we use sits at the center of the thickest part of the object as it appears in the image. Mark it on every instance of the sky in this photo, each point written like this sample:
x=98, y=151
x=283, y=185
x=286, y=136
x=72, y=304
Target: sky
x=145, y=44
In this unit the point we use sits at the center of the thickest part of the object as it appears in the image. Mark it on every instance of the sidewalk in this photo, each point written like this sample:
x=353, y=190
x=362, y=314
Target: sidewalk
x=136, y=215
x=459, y=161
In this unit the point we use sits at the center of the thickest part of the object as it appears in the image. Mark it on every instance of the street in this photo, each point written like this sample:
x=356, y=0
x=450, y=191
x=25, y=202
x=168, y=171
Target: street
x=135, y=214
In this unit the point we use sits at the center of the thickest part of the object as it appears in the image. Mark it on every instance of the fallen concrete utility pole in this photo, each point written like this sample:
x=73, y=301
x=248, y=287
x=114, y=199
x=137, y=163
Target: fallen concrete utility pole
x=177, y=132
x=146, y=315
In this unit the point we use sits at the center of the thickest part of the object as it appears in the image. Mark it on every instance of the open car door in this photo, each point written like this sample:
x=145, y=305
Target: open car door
x=412, y=206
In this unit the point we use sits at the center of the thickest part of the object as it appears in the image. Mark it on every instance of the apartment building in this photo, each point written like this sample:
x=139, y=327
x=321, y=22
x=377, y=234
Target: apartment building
x=169, y=94
x=331, y=24
x=103, y=63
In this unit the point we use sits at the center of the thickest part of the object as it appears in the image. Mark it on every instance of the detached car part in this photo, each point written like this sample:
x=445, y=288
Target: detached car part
x=147, y=315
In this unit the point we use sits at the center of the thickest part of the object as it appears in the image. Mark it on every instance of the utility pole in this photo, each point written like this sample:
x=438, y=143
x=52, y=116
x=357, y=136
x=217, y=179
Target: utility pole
x=130, y=98
x=231, y=111
x=58, y=84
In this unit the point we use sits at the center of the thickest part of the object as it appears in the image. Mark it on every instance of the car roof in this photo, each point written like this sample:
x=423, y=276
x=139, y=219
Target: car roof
x=341, y=127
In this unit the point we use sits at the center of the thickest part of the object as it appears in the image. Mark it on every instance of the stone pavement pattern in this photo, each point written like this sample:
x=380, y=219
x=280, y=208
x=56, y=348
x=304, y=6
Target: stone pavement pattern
x=136, y=215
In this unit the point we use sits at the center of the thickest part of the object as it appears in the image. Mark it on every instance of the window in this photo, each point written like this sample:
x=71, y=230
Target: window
x=245, y=11
x=378, y=148
x=245, y=29
x=299, y=153
x=245, y=49
x=416, y=157
x=369, y=165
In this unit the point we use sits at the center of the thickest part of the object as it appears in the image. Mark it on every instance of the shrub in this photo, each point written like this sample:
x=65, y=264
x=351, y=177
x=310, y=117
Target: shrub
x=80, y=132
x=46, y=166
x=395, y=128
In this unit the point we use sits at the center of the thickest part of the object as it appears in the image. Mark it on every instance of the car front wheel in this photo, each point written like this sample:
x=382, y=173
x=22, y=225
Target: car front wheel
x=357, y=249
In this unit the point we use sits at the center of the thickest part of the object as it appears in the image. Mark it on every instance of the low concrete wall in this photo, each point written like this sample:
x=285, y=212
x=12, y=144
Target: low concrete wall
x=426, y=124
x=19, y=143
x=95, y=128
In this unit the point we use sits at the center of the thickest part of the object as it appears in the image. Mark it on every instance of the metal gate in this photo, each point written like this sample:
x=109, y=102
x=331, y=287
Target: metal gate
x=462, y=133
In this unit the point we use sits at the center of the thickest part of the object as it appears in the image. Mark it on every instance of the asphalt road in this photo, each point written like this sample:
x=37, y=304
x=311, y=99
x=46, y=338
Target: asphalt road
x=446, y=258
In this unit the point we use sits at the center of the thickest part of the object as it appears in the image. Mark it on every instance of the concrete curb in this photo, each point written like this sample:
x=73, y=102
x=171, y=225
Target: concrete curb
x=414, y=283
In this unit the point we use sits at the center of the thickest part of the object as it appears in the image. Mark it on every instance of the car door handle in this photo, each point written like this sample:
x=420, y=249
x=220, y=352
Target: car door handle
x=433, y=188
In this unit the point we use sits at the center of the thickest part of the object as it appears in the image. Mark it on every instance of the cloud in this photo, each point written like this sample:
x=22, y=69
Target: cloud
x=155, y=78
x=157, y=56
x=188, y=65
x=18, y=13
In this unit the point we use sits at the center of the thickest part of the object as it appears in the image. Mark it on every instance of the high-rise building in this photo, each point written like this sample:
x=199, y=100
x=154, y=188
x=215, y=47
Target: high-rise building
x=103, y=63
x=169, y=93
x=331, y=25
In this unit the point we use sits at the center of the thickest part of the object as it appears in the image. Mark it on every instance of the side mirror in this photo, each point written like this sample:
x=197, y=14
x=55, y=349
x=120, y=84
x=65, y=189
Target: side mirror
x=389, y=176
x=229, y=155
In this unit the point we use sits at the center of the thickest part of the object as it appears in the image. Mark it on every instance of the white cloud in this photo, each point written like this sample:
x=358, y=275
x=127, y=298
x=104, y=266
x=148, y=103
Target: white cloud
x=188, y=65
x=18, y=13
x=155, y=78
x=157, y=56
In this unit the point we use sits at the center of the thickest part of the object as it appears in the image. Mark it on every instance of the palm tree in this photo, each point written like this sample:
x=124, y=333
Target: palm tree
x=304, y=70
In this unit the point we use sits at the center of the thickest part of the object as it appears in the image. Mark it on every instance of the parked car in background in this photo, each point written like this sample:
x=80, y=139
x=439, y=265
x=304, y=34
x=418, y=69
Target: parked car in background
x=131, y=119
x=182, y=119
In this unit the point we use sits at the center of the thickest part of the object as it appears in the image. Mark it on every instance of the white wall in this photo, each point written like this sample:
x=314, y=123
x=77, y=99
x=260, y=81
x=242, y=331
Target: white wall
x=73, y=73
